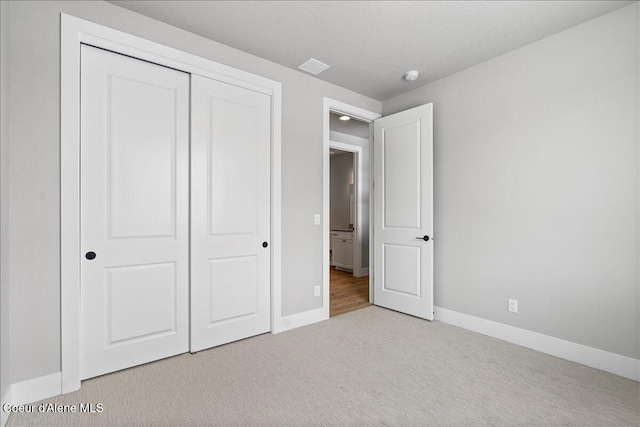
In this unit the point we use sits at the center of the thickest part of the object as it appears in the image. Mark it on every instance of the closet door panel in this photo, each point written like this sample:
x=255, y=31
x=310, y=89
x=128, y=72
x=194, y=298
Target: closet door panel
x=230, y=219
x=134, y=211
x=234, y=167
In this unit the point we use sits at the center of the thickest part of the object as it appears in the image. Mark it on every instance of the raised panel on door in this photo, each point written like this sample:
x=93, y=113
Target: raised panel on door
x=134, y=211
x=140, y=154
x=131, y=314
x=401, y=192
x=401, y=269
x=230, y=198
x=403, y=212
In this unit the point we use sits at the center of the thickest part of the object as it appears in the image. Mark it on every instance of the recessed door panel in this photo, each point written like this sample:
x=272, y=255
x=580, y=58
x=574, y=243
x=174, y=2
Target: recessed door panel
x=401, y=269
x=233, y=285
x=401, y=176
x=234, y=167
x=230, y=217
x=141, y=199
x=403, y=211
x=134, y=211
x=131, y=313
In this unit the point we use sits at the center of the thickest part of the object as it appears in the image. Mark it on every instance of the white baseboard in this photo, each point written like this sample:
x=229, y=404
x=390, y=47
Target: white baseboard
x=611, y=362
x=4, y=416
x=36, y=389
x=300, y=319
x=31, y=391
x=364, y=271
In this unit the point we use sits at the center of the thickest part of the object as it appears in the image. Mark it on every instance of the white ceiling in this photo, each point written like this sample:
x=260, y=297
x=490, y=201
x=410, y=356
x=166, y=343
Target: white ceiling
x=371, y=44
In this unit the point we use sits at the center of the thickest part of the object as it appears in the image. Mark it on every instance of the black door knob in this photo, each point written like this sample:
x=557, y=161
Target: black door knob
x=265, y=244
x=90, y=255
x=425, y=238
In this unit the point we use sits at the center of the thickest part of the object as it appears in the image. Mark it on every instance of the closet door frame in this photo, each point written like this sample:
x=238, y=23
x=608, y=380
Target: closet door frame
x=74, y=33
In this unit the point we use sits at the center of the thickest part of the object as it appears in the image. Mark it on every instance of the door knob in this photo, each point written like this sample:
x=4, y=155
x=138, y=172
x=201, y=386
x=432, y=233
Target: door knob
x=90, y=255
x=425, y=238
x=265, y=244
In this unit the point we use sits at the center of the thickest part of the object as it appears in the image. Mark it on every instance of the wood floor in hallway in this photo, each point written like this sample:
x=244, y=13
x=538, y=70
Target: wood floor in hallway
x=348, y=293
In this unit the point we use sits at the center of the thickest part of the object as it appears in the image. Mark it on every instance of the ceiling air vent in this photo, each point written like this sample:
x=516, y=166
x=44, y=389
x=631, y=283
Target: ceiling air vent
x=313, y=66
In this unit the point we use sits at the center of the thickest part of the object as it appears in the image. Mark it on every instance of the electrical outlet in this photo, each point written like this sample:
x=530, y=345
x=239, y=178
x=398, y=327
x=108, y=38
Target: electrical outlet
x=513, y=305
x=316, y=220
x=316, y=291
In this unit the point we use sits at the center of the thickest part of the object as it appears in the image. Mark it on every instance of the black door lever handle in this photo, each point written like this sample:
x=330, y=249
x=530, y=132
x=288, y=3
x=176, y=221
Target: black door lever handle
x=425, y=238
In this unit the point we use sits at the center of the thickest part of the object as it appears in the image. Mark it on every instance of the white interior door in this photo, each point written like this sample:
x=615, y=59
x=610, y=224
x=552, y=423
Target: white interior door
x=134, y=211
x=403, y=211
x=230, y=218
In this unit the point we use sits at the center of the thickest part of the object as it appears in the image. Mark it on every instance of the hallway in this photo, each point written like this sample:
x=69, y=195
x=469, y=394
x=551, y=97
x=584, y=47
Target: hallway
x=348, y=293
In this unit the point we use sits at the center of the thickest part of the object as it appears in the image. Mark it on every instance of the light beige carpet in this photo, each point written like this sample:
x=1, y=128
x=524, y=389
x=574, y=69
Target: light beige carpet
x=368, y=367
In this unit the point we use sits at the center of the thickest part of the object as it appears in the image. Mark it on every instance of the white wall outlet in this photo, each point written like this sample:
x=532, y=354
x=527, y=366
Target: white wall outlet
x=316, y=219
x=316, y=291
x=513, y=305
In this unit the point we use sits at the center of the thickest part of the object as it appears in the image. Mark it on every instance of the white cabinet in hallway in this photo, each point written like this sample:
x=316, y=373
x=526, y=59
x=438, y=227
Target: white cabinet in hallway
x=342, y=243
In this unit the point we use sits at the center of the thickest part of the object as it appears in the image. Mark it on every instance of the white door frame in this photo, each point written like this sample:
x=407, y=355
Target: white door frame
x=329, y=106
x=357, y=161
x=74, y=32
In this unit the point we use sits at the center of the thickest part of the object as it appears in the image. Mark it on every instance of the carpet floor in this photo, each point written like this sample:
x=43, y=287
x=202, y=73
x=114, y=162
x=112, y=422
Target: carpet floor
x=368, y=367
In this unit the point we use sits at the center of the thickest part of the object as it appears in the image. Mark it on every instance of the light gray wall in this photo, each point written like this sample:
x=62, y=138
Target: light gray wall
x=340, y=178
x=350, y=127
x=34, y=101
x=4, y=197
x=364, y=144
x=536, y=185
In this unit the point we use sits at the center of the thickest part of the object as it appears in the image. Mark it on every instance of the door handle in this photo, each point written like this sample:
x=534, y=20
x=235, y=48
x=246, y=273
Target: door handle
x=265, y=244
x=90, y=255
x=425, y=238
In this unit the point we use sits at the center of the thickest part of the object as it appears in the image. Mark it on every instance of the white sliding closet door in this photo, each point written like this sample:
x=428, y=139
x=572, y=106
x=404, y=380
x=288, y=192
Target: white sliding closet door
x=134, y=211
x=230, y=217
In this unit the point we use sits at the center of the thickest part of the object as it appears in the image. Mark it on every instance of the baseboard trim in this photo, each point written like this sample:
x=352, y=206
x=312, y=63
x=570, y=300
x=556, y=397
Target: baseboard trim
x=610, y=362
x=298, y=320
x=4, y=416
x=36, y=389
x=364, y=271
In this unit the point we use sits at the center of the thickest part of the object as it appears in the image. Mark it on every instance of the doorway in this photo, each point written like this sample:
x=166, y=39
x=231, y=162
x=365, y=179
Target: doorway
x=348, y=213
x=401, y=206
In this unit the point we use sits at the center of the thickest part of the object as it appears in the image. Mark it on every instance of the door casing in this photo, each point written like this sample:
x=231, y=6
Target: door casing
x=334, y=106
x=74, y=32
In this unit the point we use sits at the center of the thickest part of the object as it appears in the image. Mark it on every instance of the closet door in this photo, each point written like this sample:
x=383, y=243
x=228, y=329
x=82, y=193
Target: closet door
x=134, y=211
x=230, y=217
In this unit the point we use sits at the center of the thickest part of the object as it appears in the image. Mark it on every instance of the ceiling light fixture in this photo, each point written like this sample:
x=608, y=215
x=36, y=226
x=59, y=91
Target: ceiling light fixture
x=411, y=75
x=345, y=118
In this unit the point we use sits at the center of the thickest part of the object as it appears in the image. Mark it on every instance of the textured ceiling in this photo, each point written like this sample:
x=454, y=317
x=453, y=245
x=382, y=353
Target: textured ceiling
x=371, y=44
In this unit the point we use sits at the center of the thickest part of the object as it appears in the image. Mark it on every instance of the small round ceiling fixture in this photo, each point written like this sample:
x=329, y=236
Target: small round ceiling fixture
x=411, y=75
x=345, y=118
